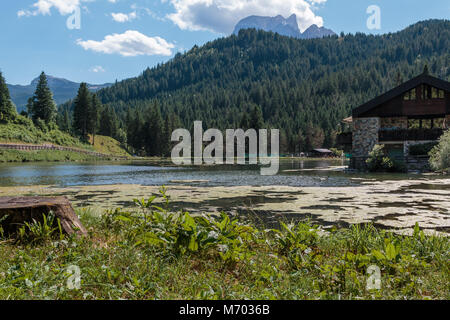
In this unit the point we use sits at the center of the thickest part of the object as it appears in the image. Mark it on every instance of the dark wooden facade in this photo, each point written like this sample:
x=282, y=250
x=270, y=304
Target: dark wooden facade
x=415, y=108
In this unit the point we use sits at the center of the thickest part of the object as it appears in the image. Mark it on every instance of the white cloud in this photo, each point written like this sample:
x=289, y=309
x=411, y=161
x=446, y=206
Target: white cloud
x=44, y=7
x=97, y=69
x=123, y=17
x=222, y=15
x=129, y=44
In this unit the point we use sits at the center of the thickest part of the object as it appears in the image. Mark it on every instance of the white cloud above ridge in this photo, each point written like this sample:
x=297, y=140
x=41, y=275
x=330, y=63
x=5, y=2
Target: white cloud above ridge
x=64, y=7
x=222, y=15
x=129, y=44
x=123, y=17
x=97, y=69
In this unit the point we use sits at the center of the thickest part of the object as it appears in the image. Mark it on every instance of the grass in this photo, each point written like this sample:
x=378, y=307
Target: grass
x=43, y=155
x=108, y=145
x=24, y=131
x=149, y=253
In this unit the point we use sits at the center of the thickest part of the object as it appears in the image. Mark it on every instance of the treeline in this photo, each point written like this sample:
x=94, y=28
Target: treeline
x=302, y=87
x=82, y=121
x=41, y=107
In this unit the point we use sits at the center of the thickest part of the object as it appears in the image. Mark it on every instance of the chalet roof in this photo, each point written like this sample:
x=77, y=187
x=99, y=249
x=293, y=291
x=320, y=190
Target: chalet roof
x=322, y=151
x=405, y=87
x=348, y=120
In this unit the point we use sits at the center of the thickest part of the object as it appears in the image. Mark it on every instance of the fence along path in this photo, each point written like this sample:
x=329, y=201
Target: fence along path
x=49, y=146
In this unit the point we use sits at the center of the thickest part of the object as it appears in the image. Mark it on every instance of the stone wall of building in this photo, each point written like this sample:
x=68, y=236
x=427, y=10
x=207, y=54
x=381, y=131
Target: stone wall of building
x=365, y=135
x=394, y=123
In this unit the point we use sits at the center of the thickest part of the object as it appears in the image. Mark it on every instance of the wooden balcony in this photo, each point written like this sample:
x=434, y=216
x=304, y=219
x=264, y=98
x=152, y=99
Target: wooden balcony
x=410, y=135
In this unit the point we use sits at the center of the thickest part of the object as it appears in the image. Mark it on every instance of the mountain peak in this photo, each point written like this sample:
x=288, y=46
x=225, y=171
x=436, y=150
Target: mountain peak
x=317, y=32
x=61, y=88
x=286, y=27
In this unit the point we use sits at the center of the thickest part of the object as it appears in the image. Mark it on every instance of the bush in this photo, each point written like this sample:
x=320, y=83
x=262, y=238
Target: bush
x=421, y=149
x=440, y=154
x=379, y=162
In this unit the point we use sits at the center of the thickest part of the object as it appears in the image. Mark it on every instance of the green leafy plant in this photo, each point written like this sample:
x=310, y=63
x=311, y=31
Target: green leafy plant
x=41, y=231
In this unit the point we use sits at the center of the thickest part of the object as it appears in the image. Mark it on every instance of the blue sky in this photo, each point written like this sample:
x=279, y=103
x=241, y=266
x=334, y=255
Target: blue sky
x=118, y=39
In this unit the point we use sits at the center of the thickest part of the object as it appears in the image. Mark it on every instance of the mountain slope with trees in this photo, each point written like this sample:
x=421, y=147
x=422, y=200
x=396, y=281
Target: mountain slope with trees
x=303, y=87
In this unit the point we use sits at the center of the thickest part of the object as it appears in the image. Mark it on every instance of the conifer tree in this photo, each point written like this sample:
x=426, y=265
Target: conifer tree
x=7, y=108
x=82, y=106
x=43, y=106
x=109, y=124
x=93, y=116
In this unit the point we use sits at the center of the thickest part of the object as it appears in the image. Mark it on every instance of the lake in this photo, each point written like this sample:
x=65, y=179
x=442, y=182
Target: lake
x=295, y=172
x=319, y=190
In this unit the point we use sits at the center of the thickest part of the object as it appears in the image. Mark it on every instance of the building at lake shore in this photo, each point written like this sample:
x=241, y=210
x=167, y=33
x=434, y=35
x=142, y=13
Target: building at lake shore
x=416, y=112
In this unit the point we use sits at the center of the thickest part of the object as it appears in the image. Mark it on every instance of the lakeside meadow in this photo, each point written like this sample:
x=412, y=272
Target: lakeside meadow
x=149, y=253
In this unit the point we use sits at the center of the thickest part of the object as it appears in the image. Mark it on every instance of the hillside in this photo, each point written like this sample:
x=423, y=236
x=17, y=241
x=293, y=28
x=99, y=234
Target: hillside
x=22, y=130
x=108, y=145
x=303, y=87
x=62, y=89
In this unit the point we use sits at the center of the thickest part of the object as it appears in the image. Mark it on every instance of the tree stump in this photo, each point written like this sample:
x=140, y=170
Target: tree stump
x=24, y=209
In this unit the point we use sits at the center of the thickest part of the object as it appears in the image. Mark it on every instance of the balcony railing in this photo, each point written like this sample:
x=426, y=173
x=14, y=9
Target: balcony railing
x=409, y=134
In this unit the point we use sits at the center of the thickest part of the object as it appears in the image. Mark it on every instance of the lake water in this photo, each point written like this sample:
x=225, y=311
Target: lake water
x=295, y=173
x=322, y=191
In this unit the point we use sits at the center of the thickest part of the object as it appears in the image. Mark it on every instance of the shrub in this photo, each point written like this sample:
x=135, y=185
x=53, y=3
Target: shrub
x=440, y=154
x=421, y=149
x=379, y=162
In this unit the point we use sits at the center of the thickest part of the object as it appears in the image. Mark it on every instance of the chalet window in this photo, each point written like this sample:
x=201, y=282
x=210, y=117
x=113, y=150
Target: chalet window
x=438, y=123
x=434, y=93
x=410, y=95
x=426, y=123
x=426, y=92
x=413, y=124
x=429, y=92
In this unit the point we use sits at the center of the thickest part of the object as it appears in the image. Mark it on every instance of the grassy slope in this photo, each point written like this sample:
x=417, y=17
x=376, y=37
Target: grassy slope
x=24, y=131
x=108, y=145
x=43, y=155
x=125, y=257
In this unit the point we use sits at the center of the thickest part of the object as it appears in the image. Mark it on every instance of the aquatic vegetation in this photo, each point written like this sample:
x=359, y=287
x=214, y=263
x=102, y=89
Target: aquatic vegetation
x=151, y=253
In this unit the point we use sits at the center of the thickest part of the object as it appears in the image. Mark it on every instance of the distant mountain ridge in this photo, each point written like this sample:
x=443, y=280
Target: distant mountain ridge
x=285, y=27
x=62, y=89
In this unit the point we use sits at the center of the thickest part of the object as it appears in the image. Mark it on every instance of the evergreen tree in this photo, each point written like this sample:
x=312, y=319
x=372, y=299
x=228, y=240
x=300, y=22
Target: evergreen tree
x=109, y=124
x=93, y=116
x=82, y=111
x=154, y=143
x=7, y=108
x=256, y=119
x=43, y=106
